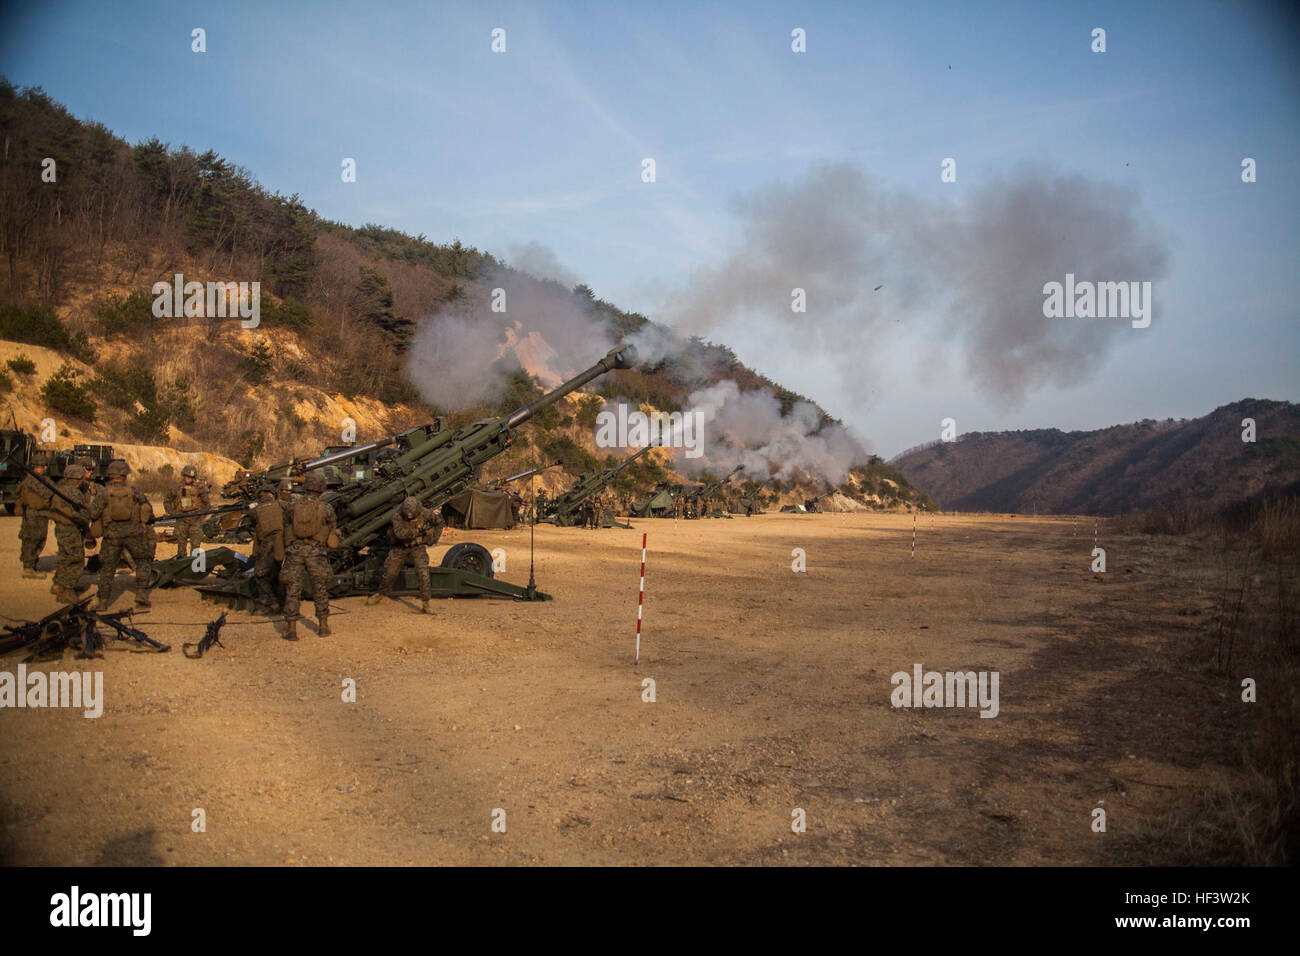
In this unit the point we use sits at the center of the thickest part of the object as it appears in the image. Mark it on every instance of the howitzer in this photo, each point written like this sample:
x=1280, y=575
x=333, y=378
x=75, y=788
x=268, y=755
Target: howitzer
x=811, y=503
x=698, y=498
x=435, y=468
x=246, y=486
x=749, y=502
x=562, y=509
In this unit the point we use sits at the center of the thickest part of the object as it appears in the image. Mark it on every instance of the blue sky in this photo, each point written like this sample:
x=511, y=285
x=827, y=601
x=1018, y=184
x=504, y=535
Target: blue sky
x=544, y=143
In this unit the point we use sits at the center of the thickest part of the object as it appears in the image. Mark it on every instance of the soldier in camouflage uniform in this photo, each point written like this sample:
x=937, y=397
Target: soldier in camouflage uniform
x=71, y=534
x=414, y=528
x=190, y=495
x=309, y=533
x=120, y=514
x=268, y=550
x=33, y=505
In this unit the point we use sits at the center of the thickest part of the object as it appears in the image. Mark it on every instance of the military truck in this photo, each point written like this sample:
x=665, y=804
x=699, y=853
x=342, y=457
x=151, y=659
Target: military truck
x=21, y=447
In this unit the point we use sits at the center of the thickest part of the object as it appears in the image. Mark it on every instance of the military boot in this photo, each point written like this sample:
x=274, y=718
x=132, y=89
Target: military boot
x=424, y=607
x=323, y=625
x=65, y=595
x=142, y=598
x=33, y=573
x=374, y=599
x=291, y=630
x=102, y=603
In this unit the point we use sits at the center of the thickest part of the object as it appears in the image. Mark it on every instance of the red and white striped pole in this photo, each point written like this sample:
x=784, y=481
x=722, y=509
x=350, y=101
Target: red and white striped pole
x=640, y=598
x=913, y=534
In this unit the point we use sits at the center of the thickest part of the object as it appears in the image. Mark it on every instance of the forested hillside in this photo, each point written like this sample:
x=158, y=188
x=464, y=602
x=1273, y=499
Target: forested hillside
x=89, y=222
x=1201, y=464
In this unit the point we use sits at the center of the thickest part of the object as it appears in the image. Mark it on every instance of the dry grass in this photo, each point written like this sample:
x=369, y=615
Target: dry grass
x=1255, y=636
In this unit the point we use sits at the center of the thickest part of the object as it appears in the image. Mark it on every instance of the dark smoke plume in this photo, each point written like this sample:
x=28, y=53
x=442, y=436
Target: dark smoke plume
x=967, y=275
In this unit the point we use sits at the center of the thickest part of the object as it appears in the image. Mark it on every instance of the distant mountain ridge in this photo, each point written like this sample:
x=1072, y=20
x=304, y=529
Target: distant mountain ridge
x=1199, y=462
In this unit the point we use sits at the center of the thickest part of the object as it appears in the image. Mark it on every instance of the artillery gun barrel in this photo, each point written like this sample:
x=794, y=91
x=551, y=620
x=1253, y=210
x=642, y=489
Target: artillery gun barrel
x=593, y=483
x=528, y=473
x=711, y=488
x=441, y=466
x=621, y=357
x=346, y=453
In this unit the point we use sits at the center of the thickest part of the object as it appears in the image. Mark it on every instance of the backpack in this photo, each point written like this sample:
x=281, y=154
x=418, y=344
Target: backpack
x=120, y=504
x=308, y=520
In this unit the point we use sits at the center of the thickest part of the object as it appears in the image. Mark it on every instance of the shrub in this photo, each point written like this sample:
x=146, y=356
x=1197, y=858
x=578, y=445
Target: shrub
x=6, y=383
x=576, y=458
x=399, y=391
x=149, y=426
x=123, y=386
x=255, y=365
x=180, y=404
x=251, y=444
x=63, y=393
x=589, y=407
x=289, y=314
x=39, y=325
x=128, y=314
x=22, y=364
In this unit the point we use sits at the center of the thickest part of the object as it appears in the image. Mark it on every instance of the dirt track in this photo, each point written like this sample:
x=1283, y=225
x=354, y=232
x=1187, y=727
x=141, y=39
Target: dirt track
x=773, y=693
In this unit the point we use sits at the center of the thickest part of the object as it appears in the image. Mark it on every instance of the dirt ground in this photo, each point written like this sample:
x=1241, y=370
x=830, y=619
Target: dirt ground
x=772, y=693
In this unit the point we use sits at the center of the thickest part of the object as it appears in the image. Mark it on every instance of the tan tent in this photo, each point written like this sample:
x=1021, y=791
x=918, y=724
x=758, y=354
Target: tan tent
x=478, y=508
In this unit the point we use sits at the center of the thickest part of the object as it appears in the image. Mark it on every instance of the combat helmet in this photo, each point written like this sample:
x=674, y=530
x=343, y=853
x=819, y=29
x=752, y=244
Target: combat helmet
x=314, y=482
x=189, y=471
x=411, y=507
x=75, y=472
x=117, y=468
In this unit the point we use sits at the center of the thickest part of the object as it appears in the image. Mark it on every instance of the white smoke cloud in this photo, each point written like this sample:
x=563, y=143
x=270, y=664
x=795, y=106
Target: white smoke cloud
x=461, y=355
x=540, y=262
x=748, y=429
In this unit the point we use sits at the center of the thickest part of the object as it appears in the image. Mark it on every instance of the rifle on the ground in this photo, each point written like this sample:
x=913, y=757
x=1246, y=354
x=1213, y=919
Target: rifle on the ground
x=210, y=637
x=50, y=628
x=127, y=632
x=73, y=626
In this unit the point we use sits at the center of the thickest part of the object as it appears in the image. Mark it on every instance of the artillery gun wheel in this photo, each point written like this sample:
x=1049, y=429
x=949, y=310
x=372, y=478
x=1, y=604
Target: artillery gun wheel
x=468, y=556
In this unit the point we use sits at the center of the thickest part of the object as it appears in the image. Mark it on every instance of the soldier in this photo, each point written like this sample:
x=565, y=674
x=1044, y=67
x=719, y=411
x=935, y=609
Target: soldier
x=414, y=528
x=190, y=495
x=309, y=533
x=150, y=532
x=71, y=534
x=268, y=550
x=33, y=505
x=119, y=513
x=284, y=493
